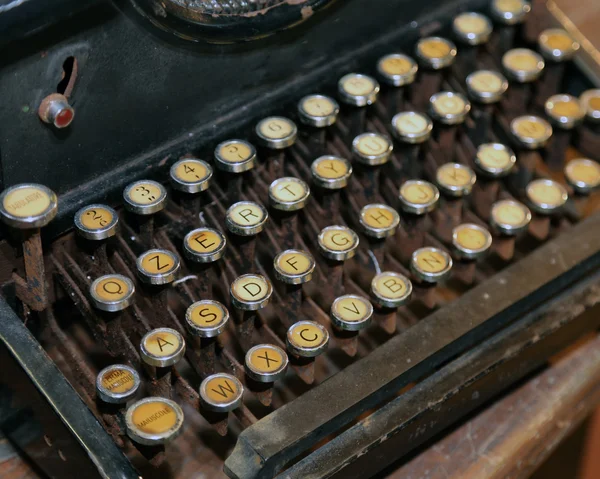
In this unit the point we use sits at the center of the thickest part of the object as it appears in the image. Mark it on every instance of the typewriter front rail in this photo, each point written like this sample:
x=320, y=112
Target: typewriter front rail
x=445, y=362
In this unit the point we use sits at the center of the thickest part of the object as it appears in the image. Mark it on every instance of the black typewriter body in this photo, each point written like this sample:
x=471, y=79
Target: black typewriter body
x=148, y=89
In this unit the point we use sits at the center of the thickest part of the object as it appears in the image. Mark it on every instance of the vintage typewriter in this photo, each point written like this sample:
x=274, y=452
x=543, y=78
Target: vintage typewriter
x=300, y=239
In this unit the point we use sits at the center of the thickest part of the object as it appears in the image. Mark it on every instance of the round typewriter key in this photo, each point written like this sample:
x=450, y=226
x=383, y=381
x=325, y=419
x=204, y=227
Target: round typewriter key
x=246, y=218
x=509, y=217
x=590, y=102
x=162, y=347
x=455, y=179
x=276, y=132
x=397, y=69
x=583, y=175
x=28, y=206
x=235, y=156
x=204, y=245
x=471, y=241
x=112, y=292
x=251, y=292
x=564, y=111
x=331, y=172
x=379, y=221
x=294, y=266
x=351, y=312
x=494, y=159
x=157, y=266
x=531, y=132
x=546, y=196
x=412, y=127
x=266, y=363
x=486, y=86
x=153, y=421
x=557, y=45
x=372, y=149
x=318, y=111
x=190, y=175
x=96, y=222
x=391, y=290
x=145, y=197
x=510, y=12
x=435, y=52
x=288, y=194
x=338, y=242
x=117, y=384
x=418, y=197
x=430, y=264
x=307, y=339
x=522, y=65
x=358, y=90
x=206, y=318
x=472, y=28
x=449, y=108
x=221, y=392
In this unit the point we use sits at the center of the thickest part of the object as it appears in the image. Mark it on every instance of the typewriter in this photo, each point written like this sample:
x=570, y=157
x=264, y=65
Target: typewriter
x=297, y=239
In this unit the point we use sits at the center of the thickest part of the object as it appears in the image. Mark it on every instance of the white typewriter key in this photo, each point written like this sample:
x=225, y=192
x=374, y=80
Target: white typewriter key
x=546, y=196
x=250, y=292
x=470, y=241
x=96, y=222
x=372, y=149
x=522, y=65
x=338, y=243
x=117, y=384
x=557, y=45
x=397, y=69
x=235, y=156
x=246, y=218
x=154, y=421
x=162, y=347
x=390, y=289
x=530, y=131
x=358, y=90
x=331, y=172
x=318, y=111
x=430, y=265
x=206, y=318
x=583, y=175
x=28, y=206
x=472, y=28
x=204, y=245
x=112, y=292
x=449, y=108
x=412, y=127
x=351, y=312
x=590, y=102
x=486, y=86
x=221, y=392
x=564, y=111
x=307, y=339
x=379, y=221
x=510, y=12
x=509, y=217
x=294, y=266
x=157, y=266
x=418, y=197
x=494, y=160
x=266, y=363
x=455, y=179
x=276, y=132
x=191, y=175
x=435, y=53
x=145, y=197
x=288, y=194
